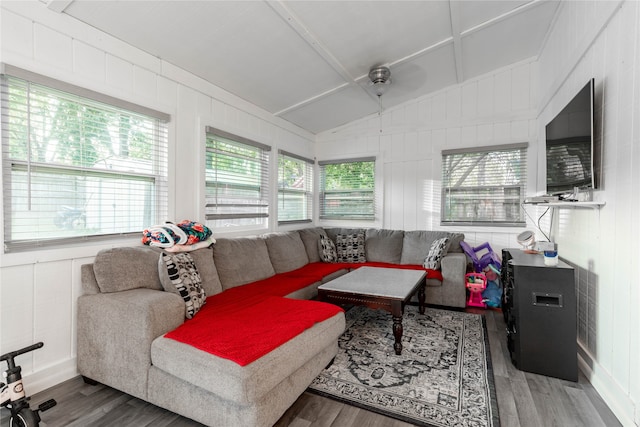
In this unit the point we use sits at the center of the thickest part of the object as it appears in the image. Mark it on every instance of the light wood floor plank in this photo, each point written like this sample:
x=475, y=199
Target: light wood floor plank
x=506, y=403
x=587, y=413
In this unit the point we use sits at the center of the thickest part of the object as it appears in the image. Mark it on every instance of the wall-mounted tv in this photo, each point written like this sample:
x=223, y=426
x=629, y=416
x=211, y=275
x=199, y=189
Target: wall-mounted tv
x=570, y=145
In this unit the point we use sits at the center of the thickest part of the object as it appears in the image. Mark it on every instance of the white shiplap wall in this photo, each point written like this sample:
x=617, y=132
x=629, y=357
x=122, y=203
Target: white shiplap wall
x=601, y=40
x=38, y=290
x=497, y=108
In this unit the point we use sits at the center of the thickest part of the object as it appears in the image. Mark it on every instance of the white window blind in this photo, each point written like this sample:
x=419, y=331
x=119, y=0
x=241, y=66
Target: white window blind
x=77, y=165
x=295, y=188
x=347, y=189
x=484, y=185
x=237, y=181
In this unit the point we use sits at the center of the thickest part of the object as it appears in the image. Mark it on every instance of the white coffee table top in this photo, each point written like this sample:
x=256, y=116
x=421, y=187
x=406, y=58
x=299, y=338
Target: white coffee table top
x=384, y=282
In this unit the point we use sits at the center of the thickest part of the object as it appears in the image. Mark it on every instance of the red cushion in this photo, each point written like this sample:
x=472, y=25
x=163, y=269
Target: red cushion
x=318, y=270
x=244, y=334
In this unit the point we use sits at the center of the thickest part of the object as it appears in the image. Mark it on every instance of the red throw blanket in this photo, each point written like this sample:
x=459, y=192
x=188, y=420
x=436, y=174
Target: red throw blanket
x=244, y=323
x=245, y=332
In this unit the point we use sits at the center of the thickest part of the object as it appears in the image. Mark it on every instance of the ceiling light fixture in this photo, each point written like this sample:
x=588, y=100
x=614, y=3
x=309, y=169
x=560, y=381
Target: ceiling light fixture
x=380, y=79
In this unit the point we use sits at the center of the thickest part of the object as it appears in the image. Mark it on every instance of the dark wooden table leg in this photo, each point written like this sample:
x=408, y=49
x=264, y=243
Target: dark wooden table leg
x=396, y=313
x=421, y=297
x=397, y=333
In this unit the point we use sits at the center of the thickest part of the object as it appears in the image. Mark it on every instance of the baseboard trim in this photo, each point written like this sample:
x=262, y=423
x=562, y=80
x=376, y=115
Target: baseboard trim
x=617, y=399
x=50, y=376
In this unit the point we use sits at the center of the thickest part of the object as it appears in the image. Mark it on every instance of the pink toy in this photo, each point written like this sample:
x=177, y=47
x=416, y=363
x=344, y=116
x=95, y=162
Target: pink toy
x=476, y=283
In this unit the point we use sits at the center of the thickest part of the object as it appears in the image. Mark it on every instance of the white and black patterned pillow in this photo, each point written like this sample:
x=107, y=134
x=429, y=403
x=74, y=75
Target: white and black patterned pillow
x=437, y=251
x=350, y=248
x=182, y=277
x=326, y=249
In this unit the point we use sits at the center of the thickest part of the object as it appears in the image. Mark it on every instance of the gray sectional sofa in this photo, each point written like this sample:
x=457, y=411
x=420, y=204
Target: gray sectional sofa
x=128, y=307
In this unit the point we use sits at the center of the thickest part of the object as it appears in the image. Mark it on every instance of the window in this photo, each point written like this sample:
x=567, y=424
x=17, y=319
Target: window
x=237, y=181
x=295, y=188
x=347, y=189
x=484, y=186
x=77, y=164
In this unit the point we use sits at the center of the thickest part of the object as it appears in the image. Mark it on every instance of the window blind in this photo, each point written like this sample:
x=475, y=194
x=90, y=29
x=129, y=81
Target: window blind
x=295, y=188
x=75, y=168
x=237, y=181
x=347, y=189
x=484, y=185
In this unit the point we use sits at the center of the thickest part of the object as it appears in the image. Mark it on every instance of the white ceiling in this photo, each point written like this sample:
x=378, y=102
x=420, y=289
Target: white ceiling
x=308, y=61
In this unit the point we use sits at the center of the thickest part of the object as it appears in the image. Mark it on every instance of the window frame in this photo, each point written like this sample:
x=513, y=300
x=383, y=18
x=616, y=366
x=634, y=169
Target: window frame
x=520, y=188
x=264, y=200
x=306, y=193
x=370, y=217
x=20, y=79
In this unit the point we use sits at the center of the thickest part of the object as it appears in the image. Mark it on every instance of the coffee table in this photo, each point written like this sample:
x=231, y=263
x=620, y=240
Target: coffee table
x=388, y=289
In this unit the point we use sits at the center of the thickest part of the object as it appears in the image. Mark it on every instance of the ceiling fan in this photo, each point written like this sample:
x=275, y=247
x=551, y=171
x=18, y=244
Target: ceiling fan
x=380, y=77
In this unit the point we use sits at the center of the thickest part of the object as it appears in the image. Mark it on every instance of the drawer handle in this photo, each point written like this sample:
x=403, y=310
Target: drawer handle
x=546, y=300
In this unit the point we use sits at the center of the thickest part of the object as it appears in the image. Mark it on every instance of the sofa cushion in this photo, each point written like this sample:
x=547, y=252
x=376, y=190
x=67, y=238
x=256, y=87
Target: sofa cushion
x=310, y=238
x=178, y=274
x=437, y=251
x=416, y=244
x=207, y=269
x=327, y=249
x=333, y=232
x=121, y=269
x=454, y=243
x=242, y=260
x=384, y=245
x=350, y=248
x=286, y=251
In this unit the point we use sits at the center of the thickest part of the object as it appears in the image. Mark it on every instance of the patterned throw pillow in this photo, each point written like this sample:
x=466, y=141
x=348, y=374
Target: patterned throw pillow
x=350, y=248
x=182, y=277
x=326, y=249
x=437, y=251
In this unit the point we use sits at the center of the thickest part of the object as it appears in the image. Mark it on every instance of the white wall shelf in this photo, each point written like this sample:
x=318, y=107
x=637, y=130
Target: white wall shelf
x=570, y=205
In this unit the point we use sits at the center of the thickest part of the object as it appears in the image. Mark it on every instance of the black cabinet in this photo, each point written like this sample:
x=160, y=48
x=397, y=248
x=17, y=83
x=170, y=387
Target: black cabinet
x=539, y=308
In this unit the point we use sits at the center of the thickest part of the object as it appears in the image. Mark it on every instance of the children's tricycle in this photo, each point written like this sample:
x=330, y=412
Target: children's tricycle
x=12, y=394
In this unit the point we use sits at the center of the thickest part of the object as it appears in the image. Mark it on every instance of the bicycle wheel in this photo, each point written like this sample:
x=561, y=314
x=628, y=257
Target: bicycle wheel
x=25, y=418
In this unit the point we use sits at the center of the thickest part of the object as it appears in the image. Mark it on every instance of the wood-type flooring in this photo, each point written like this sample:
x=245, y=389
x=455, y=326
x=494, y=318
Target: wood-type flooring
x=524, y=400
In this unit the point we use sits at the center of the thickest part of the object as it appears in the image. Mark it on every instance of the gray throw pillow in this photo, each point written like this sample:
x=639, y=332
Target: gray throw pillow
x=437, y=251
x=181, y=277
x=326, y=249
x=350, y=248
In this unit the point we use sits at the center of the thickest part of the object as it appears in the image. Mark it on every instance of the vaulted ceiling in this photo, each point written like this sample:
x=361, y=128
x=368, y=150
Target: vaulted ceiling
x=308, y=61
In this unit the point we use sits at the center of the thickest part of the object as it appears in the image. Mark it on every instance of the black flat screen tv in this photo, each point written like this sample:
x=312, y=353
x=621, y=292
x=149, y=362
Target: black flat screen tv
x=570, y=146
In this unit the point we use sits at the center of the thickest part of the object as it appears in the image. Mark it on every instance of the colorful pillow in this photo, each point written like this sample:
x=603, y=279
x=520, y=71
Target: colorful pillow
x=181, y=277
x=437, y=251
x=326, y=249
x=350, y=248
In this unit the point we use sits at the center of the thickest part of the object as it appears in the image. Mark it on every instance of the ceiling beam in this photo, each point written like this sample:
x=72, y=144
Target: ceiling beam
x=454, y=15
x=58, y=5
x=499, y=18
x=298, y=26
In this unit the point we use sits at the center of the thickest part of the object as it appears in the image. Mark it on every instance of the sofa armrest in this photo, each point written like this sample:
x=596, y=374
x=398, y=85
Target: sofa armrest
x=115, y=331
x=454, y=267
x=453, y=291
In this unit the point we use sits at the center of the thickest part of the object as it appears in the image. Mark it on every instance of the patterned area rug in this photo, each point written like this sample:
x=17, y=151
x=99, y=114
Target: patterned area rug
x=442, y=378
